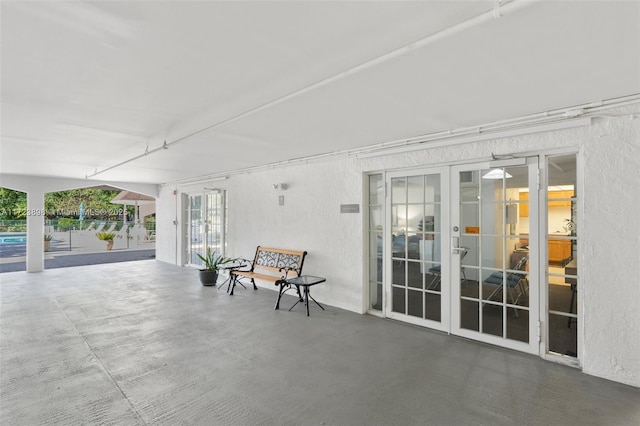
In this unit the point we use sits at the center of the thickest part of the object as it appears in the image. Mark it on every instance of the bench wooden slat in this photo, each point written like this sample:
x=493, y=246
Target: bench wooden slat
x=257, y=276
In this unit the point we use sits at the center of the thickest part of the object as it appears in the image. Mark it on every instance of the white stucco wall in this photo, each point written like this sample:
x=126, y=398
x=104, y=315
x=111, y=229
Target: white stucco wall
x=309, y=220
x=609, y=251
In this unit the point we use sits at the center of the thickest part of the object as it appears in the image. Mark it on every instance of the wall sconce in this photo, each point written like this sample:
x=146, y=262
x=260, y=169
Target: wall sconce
x=280, y=186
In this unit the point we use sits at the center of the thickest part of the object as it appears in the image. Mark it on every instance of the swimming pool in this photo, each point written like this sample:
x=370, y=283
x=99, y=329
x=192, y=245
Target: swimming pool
x=13, y=238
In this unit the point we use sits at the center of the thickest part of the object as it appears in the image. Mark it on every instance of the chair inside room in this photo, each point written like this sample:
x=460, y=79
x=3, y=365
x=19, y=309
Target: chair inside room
x=436, y=272
x=517, y=282
x=398, y=249
x=399, y=242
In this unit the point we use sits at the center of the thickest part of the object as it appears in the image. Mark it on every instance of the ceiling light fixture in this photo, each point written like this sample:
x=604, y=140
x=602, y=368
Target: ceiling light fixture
x=497, y=174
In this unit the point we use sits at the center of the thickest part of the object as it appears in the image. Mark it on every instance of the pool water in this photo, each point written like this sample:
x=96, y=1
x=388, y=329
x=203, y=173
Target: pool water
x=13, y=238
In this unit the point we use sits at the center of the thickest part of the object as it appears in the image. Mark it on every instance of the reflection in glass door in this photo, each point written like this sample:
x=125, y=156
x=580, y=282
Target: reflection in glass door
x=376, y=236
x=492, y=299
x=195, y=242
x=416, y=276
x=207, y=224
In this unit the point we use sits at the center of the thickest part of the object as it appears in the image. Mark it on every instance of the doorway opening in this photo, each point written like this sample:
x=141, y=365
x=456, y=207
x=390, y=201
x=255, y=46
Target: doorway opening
x=487, y=251
x=206, y=225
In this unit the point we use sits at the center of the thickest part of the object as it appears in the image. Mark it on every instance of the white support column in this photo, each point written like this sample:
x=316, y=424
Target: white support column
x=35, y=231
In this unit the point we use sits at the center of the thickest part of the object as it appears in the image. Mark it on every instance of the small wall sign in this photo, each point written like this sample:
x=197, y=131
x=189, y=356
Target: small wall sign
x=349, y=208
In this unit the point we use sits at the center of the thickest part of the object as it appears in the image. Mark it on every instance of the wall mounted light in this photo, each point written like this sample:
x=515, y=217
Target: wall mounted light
x=280, y=186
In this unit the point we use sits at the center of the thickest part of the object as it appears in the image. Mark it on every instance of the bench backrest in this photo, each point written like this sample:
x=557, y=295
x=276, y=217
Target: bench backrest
x=273, y=259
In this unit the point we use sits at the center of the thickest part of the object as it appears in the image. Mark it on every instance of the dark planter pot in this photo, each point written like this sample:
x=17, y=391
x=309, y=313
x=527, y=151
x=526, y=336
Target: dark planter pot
x=208, y=277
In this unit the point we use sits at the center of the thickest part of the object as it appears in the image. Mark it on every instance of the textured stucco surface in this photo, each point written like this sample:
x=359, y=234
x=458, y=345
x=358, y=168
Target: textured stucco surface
x=611, y=251
x=609, y=248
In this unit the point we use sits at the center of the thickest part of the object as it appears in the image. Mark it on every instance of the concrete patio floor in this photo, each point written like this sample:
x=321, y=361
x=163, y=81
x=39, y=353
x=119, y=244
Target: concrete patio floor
x=144, y=343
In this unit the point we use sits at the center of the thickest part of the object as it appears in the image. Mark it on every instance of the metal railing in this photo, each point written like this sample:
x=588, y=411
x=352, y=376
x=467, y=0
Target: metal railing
x=66, y=234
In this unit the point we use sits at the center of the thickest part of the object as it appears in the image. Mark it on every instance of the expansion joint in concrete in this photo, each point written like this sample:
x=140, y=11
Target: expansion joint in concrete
x=101, y=364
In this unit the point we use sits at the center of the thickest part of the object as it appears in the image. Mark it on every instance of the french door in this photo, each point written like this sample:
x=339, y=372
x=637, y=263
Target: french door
x=206, y=213
x=494, y=279
x=457, y=255
x=417, y=262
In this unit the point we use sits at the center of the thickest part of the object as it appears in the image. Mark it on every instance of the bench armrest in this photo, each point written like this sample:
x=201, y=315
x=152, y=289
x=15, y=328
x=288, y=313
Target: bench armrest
x=286, y=271
x=281, y=281
x=244, y=265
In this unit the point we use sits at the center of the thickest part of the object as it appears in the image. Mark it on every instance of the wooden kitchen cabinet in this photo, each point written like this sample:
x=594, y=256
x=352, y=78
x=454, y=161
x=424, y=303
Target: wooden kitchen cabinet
x=559, y=250
x=560, y=198
x=556, y=199
x=523, y=211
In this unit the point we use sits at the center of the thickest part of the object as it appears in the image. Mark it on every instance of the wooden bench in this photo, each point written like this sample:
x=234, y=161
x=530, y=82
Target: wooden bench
x=271, y=264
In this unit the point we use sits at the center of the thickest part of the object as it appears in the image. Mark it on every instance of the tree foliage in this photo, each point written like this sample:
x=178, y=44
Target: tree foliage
x=97, y=205
x=13, y=204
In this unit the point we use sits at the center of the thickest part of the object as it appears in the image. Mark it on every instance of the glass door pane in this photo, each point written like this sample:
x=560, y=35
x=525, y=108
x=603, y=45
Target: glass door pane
x=197, y=227
x=214, y=222
x=375, y=227
x=562, y=257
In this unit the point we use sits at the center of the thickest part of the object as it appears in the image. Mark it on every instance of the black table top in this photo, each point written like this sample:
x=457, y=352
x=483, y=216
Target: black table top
x=230, y=266
x=306, y=280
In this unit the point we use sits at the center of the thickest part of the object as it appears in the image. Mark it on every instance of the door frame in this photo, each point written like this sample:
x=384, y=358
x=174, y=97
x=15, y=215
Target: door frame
x=544, y=351
x=538, y=328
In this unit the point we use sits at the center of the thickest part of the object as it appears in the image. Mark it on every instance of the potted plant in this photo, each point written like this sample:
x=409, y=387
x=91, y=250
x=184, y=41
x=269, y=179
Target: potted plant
x=569, y=227
x=47, y=241
x=108, y=237
x=212, y=261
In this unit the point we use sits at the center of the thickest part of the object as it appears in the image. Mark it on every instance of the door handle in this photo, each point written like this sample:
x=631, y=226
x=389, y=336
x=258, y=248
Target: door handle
x=455, y=241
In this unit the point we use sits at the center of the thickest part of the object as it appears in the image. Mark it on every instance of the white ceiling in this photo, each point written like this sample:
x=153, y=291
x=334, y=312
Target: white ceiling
x=88, y=85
